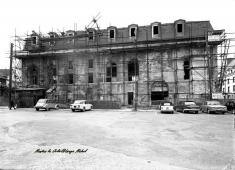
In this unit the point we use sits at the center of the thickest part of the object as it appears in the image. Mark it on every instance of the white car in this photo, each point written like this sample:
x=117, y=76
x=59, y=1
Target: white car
x=80, y=105
x=166, y=107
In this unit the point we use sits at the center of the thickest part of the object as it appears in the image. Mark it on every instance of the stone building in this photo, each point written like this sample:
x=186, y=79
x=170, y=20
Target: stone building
x=228, y=87
x=173, y=61
x=4, y=77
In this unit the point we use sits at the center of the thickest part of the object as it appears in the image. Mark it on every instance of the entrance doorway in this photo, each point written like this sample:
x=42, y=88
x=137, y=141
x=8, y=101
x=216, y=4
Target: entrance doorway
x=158, y=95
x=130, y=98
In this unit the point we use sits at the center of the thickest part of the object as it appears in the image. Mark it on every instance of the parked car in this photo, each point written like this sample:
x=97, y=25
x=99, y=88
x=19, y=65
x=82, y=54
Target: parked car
x=230, y=105
x=46, y=104
x=187, y=107
x=213, y=107
x=81, y=105
x=166, y=107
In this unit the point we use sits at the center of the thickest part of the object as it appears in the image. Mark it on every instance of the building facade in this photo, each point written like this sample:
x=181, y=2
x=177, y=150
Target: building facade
x=4, y=77
x=142, y=64
x=228, y=87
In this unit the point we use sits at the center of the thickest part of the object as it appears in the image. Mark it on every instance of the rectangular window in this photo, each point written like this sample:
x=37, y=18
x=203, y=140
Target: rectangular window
x=228, y=81
x=233, y=88
x=70, y=64
x=34, y=40
x=70, y=79
x=114, y=70
x=90, y=77
x=186, y=70
x=228, y=89
x=90, y=63
x=54, y=71
x=111, y=33
x=133, y=32
x=155, y=30
x=90, y=35
x=223, y=90
x=233, y=79
x=179, y=28
x=108, y=74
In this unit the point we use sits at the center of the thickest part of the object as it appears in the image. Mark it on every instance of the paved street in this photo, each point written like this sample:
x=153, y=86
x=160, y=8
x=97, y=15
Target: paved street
x=115, y=139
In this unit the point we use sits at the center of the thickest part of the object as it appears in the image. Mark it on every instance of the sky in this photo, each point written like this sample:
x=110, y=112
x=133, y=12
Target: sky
x=20, y=17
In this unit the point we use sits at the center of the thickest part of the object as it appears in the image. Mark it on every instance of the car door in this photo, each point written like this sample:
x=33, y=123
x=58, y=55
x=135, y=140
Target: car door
x=86, y=105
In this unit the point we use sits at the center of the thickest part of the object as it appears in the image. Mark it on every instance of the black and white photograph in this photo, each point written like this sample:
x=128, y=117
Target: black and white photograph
x=117, y=85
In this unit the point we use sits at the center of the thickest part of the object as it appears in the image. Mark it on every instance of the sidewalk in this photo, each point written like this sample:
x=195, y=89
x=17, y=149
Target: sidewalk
x=3, y=107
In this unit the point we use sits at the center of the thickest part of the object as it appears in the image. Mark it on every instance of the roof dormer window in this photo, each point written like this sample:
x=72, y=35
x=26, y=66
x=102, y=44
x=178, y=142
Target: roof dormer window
x=133, y=31
x=91, y=35
x=112, y=31
x=112, y=34
x=179, y=28
x=156, y=30
x=34, y=40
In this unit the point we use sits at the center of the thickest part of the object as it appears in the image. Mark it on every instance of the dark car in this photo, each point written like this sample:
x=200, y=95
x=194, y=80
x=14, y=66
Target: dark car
x=230, y=105
x=166, y=107
x=187, y=107
x=46, y=104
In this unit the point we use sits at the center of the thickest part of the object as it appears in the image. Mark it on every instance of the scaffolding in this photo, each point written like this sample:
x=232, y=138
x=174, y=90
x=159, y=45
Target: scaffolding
x=98, y=52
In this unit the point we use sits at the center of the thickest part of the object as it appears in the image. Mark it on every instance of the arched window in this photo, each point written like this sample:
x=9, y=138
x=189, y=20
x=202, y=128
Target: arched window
x=133, y=69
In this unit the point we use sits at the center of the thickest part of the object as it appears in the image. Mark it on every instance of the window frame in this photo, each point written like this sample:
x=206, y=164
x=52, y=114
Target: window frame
x=90, y=63
x=90, y=78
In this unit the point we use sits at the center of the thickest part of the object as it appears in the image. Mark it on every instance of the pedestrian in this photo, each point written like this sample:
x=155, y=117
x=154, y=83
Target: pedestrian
x=12, y=105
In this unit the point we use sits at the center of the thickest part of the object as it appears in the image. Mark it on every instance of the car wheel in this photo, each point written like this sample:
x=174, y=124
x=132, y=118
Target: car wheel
x=37, y=109
x=196, y=112
x=57, y=107
x=208, y=111
x=73, y=110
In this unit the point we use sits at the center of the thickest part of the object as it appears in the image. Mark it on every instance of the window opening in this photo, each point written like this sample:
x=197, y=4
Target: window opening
x=179, y=28
x=111, y=33
x=90, y=77
x=186, y=70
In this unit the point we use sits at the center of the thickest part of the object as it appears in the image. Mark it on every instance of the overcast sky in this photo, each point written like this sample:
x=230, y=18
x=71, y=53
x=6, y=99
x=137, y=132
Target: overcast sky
x=58, y=15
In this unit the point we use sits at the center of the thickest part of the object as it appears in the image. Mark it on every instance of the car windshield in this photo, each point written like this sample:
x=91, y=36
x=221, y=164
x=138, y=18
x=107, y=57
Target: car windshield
x=167, y=104
x=189, y=103
x=42, y=100
x=213, y=103
x=78, y=102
